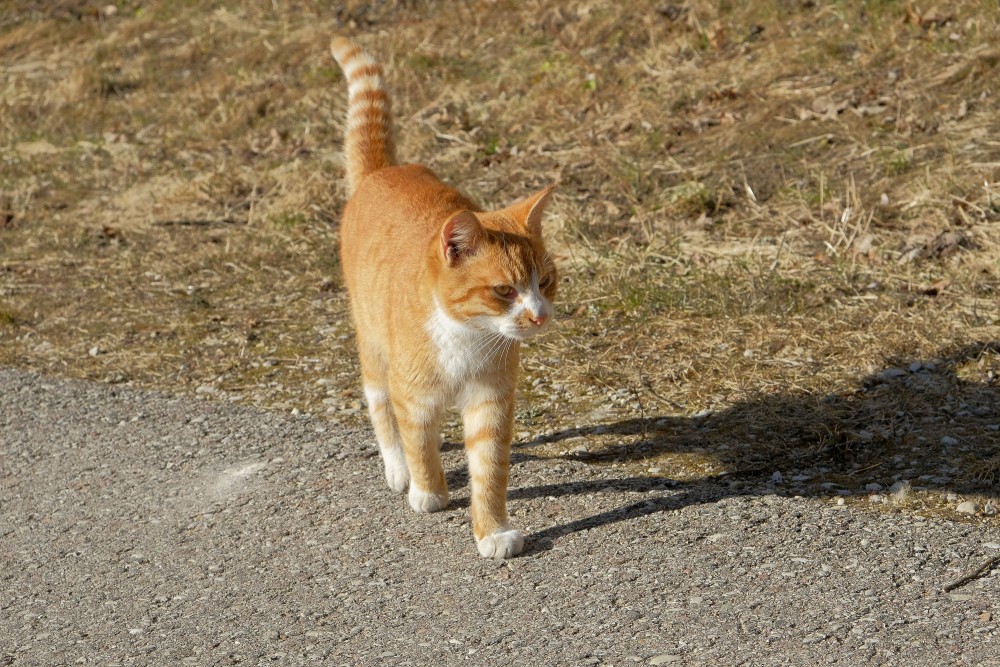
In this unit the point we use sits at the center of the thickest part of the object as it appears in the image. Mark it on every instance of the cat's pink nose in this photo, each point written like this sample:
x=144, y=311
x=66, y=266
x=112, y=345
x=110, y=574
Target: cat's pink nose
x=539, y=319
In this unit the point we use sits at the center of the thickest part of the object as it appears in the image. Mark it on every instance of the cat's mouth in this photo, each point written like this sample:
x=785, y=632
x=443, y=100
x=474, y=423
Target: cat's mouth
x=525, y=333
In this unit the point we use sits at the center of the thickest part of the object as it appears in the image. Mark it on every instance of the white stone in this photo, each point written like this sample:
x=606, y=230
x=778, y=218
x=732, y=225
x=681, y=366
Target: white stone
x=968, y=507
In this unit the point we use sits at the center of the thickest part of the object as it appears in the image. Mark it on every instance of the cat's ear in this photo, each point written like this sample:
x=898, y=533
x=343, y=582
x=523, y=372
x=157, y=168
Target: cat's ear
x=533, y=208
x=460, y=236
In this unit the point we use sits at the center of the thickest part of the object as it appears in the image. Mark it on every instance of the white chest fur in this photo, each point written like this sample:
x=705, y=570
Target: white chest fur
x=462, y=350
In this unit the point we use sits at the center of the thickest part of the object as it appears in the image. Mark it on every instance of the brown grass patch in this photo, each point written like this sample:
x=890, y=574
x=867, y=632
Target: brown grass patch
x=760, y=212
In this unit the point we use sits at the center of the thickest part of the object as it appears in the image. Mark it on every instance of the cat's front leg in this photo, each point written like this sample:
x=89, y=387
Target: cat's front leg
x=488, y=414
x=418, y=419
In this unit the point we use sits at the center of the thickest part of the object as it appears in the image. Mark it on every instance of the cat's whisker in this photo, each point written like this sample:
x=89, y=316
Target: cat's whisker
x=491, y=354
x=498, y=340
x=488, y=338
x=507, y=349
x=485, y=343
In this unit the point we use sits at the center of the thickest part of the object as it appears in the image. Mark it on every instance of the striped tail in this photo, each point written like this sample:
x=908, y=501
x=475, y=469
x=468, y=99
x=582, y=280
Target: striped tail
x=368, y=143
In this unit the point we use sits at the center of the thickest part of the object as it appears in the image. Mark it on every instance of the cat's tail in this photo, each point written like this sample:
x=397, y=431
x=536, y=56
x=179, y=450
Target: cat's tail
x=368, y=143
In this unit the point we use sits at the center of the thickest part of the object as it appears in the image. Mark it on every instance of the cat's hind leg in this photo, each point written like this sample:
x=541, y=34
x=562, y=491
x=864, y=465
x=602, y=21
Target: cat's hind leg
x=390, y=445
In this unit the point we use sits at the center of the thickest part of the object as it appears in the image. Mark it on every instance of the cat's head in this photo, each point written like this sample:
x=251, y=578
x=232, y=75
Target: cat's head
x=495, y=274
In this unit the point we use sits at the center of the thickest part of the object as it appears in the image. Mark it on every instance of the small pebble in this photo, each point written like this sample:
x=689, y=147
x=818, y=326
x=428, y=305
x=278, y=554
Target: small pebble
x=949, y=441
x=968, y=507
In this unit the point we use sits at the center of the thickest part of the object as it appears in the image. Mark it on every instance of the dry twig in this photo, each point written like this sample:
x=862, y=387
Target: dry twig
x=975, y=574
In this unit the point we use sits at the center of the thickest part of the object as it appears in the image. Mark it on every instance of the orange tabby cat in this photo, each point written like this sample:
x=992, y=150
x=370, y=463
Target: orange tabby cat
x=442, y=293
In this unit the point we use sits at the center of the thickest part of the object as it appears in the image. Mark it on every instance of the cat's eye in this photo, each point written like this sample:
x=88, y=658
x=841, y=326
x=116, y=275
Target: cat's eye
x=504, y=291
x=545, y=282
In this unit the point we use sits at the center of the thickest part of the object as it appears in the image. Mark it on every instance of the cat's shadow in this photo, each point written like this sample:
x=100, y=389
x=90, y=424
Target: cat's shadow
x=915, y=420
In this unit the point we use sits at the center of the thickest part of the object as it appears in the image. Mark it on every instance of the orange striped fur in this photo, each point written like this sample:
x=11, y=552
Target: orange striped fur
x=442, y=293
x=368, y=142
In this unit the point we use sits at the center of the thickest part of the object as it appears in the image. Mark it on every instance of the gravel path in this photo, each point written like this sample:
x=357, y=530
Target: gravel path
x=148, y=529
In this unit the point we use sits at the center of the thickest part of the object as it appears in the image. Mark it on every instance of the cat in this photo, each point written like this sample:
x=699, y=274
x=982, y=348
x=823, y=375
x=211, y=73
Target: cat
x=442, y=293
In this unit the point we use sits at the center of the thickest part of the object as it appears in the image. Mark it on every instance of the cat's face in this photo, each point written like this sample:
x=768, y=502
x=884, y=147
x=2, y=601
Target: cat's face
x=507, y=287
x=496, y=275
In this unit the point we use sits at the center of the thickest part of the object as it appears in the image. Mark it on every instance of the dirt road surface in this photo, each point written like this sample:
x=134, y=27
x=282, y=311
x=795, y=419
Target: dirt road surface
x=150, y=529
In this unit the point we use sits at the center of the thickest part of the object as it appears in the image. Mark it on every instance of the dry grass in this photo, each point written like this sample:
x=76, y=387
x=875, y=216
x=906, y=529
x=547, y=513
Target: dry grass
x=760, y=211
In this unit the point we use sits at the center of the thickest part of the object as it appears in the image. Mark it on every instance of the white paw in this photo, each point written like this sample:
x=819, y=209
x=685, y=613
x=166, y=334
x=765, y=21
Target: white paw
x=397, y=475
x=424, y=501
x=503, y=542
